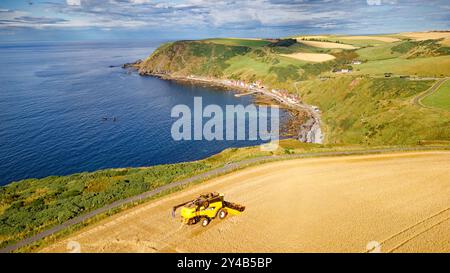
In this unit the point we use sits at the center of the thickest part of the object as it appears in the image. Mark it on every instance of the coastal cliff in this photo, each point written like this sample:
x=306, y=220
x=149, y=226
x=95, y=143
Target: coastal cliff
x=184, y=58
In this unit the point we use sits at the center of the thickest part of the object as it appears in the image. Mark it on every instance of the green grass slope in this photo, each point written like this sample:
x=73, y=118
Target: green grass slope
x=235, y=61
x=425, y=67
x=440, y=98
x=381, y=52
x=415, y=58
x=375, y=111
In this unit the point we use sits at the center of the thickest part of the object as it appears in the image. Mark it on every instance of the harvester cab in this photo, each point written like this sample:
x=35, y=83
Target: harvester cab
x=205, y=208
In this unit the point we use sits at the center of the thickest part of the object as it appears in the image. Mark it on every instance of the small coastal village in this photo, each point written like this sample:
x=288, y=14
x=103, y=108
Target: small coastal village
x=252, y=88
x=258, y=86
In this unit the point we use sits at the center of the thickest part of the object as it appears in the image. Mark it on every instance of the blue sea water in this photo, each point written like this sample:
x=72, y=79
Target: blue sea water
x=54, y=96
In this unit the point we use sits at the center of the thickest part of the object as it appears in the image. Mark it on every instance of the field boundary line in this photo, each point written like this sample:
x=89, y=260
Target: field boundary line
x=412, y=228
x=417, y=235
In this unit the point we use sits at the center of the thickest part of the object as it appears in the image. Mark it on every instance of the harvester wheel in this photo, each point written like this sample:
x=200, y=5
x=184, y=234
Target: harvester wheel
x=206, y=204
x=222, y=214
x=192, y=221
x=205, y=222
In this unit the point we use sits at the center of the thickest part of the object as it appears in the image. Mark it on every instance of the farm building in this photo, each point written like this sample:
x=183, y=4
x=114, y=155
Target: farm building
x=343, y=70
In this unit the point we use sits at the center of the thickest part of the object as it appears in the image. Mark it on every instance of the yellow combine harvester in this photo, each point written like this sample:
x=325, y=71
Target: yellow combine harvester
x=207, y=207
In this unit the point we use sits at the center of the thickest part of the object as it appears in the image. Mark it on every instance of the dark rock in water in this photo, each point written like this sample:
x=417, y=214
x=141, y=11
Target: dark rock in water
x=112, y=66
x=132, y=65
x=114, y=119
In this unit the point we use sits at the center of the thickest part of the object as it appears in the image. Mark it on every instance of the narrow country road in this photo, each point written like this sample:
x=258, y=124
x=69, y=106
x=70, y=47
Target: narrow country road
x=418, y=99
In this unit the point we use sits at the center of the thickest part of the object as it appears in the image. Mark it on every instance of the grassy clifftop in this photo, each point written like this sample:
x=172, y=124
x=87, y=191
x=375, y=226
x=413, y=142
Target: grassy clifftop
x=190, y=57
x=247, y=60
x=270, y=61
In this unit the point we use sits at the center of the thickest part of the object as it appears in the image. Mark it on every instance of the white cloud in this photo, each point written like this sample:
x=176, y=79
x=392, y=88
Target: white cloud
x=73, y=2
x=381, y=2
x=328, y=15
x=17, y=18
x=139, y=1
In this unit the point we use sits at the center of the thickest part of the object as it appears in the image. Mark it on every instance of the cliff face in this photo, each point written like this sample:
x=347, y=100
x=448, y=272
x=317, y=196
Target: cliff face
x=184, y=58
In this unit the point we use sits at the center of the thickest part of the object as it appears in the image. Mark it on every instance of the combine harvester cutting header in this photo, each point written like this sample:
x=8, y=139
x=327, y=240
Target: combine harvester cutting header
x=207, y=207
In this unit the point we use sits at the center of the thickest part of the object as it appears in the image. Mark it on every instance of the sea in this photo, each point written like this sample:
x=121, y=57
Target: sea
x=69, y=107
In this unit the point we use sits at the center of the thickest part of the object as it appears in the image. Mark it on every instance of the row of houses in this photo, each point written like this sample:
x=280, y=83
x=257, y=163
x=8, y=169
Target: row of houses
x=243, y=84
x=257, y=85
x=285, y=96
x=342, y=70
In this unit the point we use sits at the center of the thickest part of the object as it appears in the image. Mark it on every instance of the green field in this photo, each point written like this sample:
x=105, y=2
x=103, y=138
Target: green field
x=426, y=67
x=413, y=58
x=338, y=39
x=440, y=98
x=355, y=42
x=381, y=52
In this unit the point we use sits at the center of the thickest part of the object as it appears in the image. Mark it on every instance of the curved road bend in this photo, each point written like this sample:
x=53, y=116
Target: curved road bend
x=212, y=173
x=418, y=99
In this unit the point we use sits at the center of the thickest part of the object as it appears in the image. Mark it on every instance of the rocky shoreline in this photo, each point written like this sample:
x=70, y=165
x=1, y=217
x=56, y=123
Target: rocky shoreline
x=308, y=131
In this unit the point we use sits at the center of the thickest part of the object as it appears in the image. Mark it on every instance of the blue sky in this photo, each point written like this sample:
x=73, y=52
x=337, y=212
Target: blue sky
x=152, y=19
